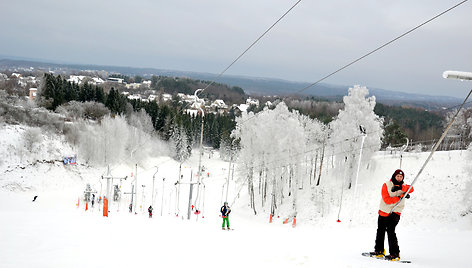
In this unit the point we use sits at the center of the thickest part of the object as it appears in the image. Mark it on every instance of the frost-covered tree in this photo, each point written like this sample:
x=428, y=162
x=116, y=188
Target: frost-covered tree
x=141, y=120
x=113, y=140
x=273, y=149
x=104, y=143
x=346, y=135
x=460, y=131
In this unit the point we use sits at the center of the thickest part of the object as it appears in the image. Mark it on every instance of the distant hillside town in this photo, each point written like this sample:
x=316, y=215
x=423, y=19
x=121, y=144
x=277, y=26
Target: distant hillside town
x=175, y=94
x=140, y=90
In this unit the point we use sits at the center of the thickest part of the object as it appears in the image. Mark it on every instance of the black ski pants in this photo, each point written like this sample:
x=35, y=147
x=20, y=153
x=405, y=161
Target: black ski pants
x=387, y=224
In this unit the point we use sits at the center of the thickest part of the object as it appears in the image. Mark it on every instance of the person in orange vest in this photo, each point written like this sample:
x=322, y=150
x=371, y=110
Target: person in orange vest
x=392, y=191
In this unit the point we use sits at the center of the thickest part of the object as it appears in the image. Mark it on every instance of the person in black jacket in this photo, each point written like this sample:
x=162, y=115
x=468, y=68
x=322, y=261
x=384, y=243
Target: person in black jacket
x=150, y=211
x=225, y=210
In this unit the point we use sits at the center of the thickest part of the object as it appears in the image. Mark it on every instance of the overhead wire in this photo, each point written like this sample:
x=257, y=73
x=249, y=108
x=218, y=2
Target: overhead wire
x=378, y=48
x=339, y=69
x=242, y=54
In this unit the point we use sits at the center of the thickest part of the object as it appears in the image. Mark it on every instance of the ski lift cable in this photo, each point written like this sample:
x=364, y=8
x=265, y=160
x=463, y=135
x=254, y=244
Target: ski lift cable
x=432, y=151
x=343, y=67
x=377, y=49
x=242, y=54
x=257, y=40
x=382, y=46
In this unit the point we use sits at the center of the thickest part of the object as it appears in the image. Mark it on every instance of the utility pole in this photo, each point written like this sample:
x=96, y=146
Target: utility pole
x=201, y=146
x=131, y=193
x=162, y=200
x=364, y=135
x=227, y=179
x=153, y=177
x=142, y=198
x=136, y=188
x=178, y=190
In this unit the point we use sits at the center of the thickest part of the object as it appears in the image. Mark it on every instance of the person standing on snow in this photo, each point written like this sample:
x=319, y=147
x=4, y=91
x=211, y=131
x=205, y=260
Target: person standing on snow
x=392, y=191
x=225, y=210
x=150, y=211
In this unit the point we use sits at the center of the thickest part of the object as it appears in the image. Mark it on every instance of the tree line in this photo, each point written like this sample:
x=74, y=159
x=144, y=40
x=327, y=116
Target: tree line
x=167, y=118
x=400, y=122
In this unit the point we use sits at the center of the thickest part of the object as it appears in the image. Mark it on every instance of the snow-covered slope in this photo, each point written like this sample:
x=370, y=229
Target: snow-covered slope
x=54, y=232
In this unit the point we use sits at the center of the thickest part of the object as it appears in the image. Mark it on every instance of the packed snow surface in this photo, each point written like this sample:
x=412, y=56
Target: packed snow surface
x=54, y=232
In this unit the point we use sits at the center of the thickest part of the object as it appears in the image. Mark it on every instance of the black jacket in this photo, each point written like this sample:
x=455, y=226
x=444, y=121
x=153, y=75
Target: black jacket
x=225, y=210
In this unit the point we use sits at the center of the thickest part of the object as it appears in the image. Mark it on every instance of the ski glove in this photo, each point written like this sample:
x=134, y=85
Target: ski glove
x=407, y=196
x=396, y=188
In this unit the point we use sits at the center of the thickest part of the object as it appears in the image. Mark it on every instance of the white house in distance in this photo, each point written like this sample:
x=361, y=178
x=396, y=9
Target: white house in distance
x=80, y=79
x=134, y=97
x=97, y=80
x=114, y=79
x=32, y=93
x=166, y=97
x=147, y=83
x=251, y=101
x=219, y=104
x=152, y=97
x=77, y=79
x=133, y=85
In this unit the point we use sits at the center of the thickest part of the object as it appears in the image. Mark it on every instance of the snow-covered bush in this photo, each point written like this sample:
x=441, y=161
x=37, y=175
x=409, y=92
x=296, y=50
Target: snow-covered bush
x=32, y=138
x=14, y=110
x=91, y=110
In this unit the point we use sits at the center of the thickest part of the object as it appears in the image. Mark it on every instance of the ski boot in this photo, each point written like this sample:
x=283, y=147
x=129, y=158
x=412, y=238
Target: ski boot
x=378, y=254
x=393, y=257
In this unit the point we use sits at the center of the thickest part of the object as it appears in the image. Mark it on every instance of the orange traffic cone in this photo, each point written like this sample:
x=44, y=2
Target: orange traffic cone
x=294, y=223
x=270, y=219
x=285, y=221
x=86, y=206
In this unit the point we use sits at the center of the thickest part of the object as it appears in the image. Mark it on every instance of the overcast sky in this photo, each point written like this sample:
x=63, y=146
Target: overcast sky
x=313, y=40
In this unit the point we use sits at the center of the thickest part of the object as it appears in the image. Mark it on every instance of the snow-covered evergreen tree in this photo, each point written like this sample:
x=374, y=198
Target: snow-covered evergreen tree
x=180, y=143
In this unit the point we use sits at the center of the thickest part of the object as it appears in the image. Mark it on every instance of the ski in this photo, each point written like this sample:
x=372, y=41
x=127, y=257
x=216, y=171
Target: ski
x=368, y=254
